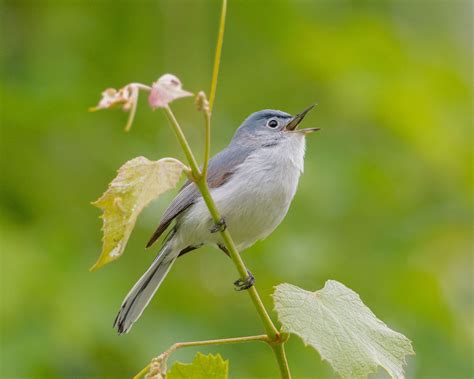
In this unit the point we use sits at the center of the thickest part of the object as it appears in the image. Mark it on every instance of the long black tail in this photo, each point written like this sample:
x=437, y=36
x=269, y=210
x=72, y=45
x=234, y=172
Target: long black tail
x=142, y=292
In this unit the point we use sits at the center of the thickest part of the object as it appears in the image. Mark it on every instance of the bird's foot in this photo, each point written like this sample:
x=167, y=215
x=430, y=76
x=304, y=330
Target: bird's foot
x=219, y=226
x=244, y=284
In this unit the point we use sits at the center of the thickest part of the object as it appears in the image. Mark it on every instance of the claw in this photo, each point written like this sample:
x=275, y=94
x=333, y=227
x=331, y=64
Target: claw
x=219, y=226
x=244, y=284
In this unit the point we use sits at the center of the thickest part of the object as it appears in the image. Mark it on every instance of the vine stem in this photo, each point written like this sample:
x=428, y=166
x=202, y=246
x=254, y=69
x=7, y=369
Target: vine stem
x=203, y=187
x=279, y=351
x=217, y=57
x=201, y=182
x=221, y=341
x=195, y=171
x=207, y=143
x=199, y=176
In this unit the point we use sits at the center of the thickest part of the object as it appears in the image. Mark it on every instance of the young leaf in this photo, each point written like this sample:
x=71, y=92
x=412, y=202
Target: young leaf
x=113, y=98
x=346, y=333
x=203, y=367
x=166, y=89
x=126, y=97
x=138, y=182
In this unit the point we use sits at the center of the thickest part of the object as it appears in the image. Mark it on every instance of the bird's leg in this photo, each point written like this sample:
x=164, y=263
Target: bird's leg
x=244, y=284
x=239, y=284
x=224, y=249
x=219, y=226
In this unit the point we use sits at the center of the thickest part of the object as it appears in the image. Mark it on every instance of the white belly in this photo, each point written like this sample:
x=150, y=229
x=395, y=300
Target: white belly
x=254, y=201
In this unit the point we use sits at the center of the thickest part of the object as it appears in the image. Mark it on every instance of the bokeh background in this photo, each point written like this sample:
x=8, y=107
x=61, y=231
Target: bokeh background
x=384, y=205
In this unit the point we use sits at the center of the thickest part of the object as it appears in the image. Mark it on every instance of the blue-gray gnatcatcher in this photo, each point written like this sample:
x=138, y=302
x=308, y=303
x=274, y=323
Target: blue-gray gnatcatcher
x=252, y=181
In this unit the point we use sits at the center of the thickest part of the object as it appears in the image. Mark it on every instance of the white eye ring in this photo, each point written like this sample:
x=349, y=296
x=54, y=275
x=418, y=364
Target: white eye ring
x=273, y=123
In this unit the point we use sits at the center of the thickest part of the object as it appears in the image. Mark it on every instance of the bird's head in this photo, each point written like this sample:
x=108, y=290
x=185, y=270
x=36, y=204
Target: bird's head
x=268, y=127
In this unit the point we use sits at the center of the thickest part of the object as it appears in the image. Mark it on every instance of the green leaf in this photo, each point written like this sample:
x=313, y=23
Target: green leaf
x=138, y=182
x=203, y=367
x=346, y=333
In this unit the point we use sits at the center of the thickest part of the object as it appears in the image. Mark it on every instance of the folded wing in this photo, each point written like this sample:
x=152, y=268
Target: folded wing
x=221, y=168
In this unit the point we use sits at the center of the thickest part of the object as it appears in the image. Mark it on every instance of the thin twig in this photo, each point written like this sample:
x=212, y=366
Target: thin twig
x=207, y=142
x=221, y=341
x=279, y=351
x=131, y=116
x=217, y=57
x=183, y=142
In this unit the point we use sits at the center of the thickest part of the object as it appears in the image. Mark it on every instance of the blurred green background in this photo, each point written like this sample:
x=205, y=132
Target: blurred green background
x=384, y=205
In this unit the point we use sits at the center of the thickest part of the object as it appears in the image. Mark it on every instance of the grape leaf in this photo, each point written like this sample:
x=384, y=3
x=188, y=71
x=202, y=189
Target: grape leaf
x=203, y=367
x=335, y=322
x=138, y=182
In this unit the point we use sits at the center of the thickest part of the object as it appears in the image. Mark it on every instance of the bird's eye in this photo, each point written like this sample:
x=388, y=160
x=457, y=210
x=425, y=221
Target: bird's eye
x=272, y=123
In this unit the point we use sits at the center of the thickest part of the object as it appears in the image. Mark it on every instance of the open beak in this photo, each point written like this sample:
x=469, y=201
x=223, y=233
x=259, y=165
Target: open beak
x=295, y=121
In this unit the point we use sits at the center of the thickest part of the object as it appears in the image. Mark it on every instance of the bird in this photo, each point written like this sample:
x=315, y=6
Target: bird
x=252, y=181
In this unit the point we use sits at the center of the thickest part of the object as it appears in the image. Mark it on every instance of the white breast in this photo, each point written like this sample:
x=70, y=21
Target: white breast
x=255, y=200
